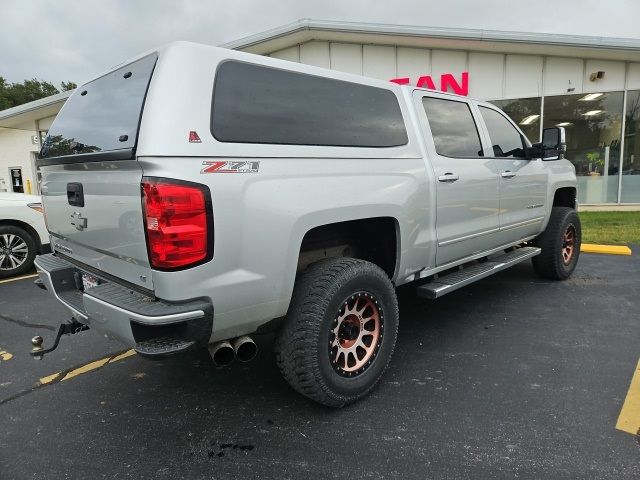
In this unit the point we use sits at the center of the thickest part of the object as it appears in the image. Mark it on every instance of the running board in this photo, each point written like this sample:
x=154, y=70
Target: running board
x=453, y=281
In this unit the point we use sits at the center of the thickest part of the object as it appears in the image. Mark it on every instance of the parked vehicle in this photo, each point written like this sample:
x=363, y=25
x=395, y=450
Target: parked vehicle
x=23, y=233
x=196, y=196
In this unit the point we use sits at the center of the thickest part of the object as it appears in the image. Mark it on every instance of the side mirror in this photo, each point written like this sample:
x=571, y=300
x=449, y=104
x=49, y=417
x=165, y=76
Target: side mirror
x=554, y=144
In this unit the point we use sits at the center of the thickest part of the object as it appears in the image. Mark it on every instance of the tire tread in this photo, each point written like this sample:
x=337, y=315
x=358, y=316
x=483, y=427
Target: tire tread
x=296, y=343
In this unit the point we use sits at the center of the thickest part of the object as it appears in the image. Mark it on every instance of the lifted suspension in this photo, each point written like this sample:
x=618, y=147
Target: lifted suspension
x=70, y=328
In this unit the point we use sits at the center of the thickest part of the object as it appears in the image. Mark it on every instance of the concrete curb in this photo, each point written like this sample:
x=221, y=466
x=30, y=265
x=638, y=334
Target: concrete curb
x=605, y=249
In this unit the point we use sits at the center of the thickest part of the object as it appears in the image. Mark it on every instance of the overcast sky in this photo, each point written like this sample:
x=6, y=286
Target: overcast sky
x=60, y=40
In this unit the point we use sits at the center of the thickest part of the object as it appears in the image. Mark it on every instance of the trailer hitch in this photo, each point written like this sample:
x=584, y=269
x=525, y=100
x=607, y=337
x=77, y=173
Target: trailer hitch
x=70, y=328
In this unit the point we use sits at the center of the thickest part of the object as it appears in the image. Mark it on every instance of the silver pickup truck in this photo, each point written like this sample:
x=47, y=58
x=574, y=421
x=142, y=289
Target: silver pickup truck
x=197, y=196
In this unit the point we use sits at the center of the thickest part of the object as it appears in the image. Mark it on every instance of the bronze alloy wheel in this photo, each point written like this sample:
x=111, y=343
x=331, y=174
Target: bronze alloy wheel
x=356, y=334
x=568, y=244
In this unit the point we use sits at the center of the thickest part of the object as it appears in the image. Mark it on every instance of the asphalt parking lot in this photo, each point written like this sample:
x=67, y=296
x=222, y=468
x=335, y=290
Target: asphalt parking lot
x=512, y=377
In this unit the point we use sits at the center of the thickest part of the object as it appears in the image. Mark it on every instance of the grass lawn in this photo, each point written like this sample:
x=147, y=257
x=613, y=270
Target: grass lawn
x=610, y=227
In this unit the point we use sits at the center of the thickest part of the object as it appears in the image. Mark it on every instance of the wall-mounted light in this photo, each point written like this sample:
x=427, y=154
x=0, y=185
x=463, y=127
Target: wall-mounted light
x=591, y=113
x=590, y=97
x=529, y=120
x=599, y=75
x=564, y=124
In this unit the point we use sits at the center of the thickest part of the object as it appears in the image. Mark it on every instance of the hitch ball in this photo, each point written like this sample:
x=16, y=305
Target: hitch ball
x=37, y=346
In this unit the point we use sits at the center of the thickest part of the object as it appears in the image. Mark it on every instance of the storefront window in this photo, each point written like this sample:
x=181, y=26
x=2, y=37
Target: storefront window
x=631, y=163
x=593, y=123
x=525, y=112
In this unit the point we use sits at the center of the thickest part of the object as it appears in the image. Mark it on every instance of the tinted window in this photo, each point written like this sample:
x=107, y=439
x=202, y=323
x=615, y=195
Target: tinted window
x=257, y=104
x=106, y=117
x=506, y=141
x=453, y=128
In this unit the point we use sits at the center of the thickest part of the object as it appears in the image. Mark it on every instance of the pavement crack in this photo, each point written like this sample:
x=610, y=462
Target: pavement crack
x=57, y=378
x=22, y=323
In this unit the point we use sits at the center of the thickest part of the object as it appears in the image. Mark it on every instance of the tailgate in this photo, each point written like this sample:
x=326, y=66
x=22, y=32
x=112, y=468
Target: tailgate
x=91, y=179
x=107, y=233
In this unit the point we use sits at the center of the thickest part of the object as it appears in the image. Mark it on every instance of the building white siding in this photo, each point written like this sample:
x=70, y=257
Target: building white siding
x=491, y=75
x=291, y=54
x=16, y=146
x=612, y=81
x=523, y=76
x=563, y=74
x=487, y=72
x=379, y=62
x=413, y=62
x=315, y=53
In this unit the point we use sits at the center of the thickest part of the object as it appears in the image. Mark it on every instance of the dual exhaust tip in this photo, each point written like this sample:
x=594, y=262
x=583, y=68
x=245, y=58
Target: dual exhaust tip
x=243, y=348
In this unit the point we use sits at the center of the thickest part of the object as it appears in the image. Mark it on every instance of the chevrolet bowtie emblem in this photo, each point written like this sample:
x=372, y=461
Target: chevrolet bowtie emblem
x=78, y=221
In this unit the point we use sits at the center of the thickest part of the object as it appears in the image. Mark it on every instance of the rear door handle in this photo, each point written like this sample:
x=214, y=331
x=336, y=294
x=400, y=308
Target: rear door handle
x=448, y=177
x=508, y=174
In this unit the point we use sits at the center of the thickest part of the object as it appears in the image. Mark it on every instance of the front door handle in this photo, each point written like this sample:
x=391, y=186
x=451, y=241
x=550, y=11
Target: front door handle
x=448, y=177
x=508, y=174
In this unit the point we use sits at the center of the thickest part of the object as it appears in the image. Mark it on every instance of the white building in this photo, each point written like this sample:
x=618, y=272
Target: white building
x=589, y=85
x=21, y=131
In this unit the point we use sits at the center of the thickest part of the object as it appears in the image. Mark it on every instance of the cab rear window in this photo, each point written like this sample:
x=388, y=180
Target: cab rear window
x=102, y=115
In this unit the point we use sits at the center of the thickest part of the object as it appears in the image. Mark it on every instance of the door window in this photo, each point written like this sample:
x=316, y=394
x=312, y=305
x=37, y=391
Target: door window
x=454, y=131
x=506, y=141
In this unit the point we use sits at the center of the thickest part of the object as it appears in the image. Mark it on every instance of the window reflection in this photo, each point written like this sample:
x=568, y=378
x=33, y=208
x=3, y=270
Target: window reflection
x=631, y=163
x=593, y=124
x=525, y=112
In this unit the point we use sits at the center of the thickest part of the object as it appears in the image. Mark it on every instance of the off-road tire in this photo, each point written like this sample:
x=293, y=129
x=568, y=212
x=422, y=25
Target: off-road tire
x=550, y=263
x=302, y=347
x=18, y=233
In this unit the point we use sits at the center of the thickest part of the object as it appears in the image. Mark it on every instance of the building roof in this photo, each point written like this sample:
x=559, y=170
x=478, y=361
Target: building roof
x=305, y=30
x=36, y=110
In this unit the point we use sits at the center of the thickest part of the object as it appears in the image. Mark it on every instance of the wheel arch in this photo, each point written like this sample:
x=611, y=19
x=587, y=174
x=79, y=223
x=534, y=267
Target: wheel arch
x=27, y=227
x=565, y=197
x=375, y=239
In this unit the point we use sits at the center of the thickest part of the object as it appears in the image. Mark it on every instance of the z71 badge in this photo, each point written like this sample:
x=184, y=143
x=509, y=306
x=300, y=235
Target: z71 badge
x=230, y=167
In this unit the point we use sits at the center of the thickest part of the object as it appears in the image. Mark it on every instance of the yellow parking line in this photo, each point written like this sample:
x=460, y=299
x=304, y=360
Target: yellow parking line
x=15, y=279
x=122, y=356
x=5, y=356
x=607, y=249
x=88, y=367
x=629, y=419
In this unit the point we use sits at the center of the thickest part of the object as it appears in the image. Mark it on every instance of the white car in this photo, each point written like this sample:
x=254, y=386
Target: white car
x=23, y=233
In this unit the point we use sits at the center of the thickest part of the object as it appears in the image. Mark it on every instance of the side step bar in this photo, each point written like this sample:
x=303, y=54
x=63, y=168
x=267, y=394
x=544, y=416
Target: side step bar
x=453, y=281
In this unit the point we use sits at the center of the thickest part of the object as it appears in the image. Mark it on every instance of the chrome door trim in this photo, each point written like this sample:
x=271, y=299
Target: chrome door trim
x=522, y=224
x=468, y=237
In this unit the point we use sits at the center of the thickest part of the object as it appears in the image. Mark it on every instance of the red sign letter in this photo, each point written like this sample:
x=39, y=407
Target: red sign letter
x=400, y=81
x=426, y=82
x=447, y=80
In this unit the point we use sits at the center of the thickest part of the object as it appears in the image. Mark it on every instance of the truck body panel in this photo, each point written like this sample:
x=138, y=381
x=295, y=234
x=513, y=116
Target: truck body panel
x=265, y=198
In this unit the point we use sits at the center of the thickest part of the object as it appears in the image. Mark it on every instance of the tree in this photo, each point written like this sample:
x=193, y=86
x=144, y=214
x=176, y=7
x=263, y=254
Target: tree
x=14, y=94
x=66, y=86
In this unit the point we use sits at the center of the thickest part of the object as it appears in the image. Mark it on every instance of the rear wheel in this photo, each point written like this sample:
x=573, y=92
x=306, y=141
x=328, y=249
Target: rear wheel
x=560, y=244
x=340, y=331
x=17, y=251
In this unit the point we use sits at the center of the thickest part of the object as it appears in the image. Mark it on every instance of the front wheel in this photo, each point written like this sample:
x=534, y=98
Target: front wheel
x=340, y=331
x=560, y=244
x=17, y=251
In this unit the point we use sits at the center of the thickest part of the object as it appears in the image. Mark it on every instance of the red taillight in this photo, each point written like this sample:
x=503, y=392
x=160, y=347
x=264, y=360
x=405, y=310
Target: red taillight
x=177, y=221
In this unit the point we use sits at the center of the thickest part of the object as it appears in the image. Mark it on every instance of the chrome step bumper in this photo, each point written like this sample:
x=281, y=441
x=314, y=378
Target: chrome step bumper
x=458, y=279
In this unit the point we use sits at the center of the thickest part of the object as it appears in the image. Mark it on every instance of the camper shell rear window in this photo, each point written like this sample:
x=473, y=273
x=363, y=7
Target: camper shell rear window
x=101, y=116
x=259, y=104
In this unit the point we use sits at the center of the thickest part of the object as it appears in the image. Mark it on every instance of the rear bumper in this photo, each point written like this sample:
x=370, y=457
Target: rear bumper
x=150, y=325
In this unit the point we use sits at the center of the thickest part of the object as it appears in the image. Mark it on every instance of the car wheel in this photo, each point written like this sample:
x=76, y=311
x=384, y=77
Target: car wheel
x=17, y=251
x=560, y=244
x=340, y=331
